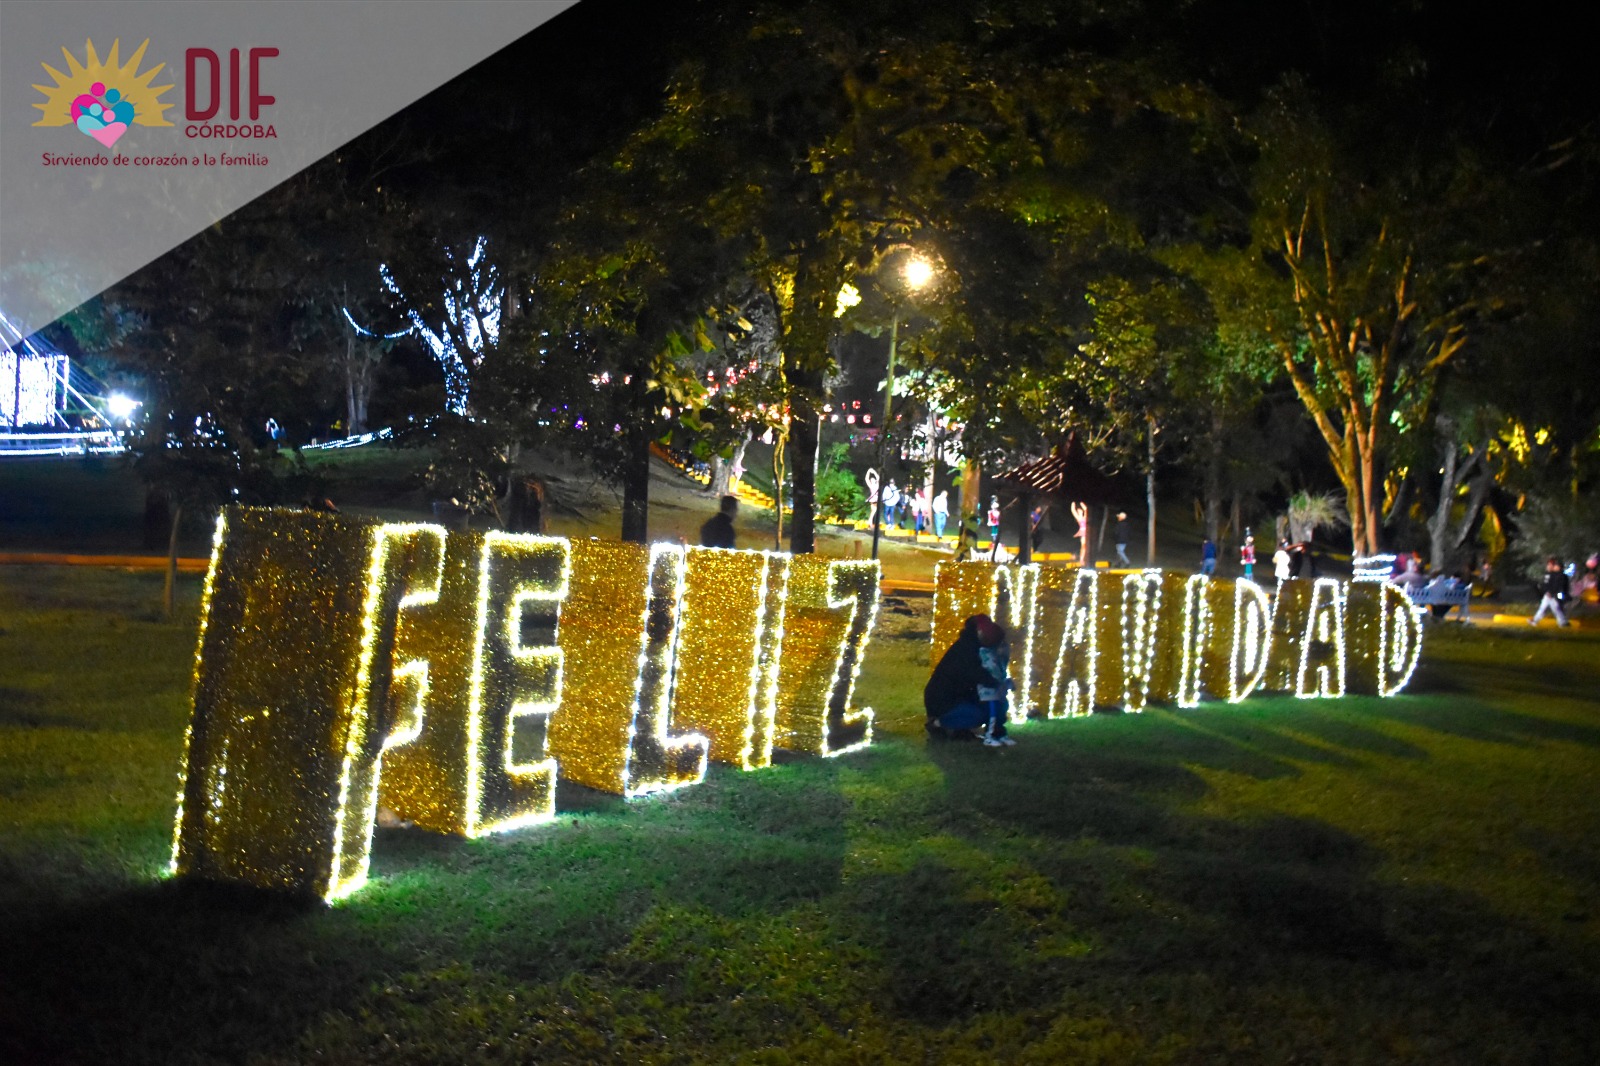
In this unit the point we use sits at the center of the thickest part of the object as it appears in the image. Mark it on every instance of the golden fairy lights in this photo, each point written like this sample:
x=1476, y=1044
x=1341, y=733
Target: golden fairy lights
x=346, y=665
x=832, y=607
x=722, y=585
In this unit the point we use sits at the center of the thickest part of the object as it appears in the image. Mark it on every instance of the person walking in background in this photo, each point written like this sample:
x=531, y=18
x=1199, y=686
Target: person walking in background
x=891, y=504
x=718, y=529
x=941, y=513
x=994, y=526
x=1035, y=528
x=1554, y=589
x=1122, y=537
x=1280, y=562
x=1208, y=558
x=919, y=512
x=1247, y=557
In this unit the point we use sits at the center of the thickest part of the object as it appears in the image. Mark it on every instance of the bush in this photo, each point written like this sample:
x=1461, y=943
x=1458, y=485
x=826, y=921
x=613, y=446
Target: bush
x=1559, y=525
x=839, y=493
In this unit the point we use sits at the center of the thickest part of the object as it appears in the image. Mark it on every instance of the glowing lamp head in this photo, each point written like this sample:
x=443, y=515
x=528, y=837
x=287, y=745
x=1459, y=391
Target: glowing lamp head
x=121, y=407
x=918, y=272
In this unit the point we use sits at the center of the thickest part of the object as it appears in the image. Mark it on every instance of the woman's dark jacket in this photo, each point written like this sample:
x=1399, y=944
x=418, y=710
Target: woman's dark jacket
x=955, y=680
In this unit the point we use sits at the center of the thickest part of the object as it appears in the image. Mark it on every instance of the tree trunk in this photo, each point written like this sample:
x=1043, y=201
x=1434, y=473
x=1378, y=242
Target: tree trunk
x=966, y=504
x=805, y=433
x=1150, y=494
x=636, y=488
x=1213, y=478
x=717, y=487
x=172, y=562
x=779, y=443
x=1025, y=541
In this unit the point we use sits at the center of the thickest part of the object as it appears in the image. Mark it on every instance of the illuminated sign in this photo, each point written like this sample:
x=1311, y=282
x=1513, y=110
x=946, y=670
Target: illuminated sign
x=1086, y=639
x=450, y=677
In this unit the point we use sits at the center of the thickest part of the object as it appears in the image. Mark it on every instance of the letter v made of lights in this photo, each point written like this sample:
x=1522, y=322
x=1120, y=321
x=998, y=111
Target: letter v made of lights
x=346, y=665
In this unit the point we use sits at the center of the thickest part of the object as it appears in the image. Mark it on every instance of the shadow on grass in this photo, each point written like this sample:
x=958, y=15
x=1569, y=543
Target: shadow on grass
x=176, y=971
x=1095, y=883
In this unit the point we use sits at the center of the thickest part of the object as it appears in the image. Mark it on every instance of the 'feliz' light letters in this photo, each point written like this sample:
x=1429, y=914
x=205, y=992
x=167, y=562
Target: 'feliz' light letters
x=449, y=677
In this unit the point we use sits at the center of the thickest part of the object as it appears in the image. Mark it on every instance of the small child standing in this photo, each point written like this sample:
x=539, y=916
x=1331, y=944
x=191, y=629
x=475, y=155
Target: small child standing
x=1247, y=557
x=994, y=655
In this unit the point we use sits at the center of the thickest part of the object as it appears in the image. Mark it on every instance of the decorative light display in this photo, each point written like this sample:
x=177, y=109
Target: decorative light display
x=280, y=753
x=1229, y=641
x=1196, y=639
x=1387, y=627
x=828, y=621
x=434, y=778
x=516, y=681
x=1014, y=603
x=1372, y=567
x=31, y=388
x=1251, y=640
x=727, y=681
x=1322, y=654
x=392, y=686
x=1141, y=613
x=344, y=664
x=1076, y=668
x=471, y=306
x=619, y=634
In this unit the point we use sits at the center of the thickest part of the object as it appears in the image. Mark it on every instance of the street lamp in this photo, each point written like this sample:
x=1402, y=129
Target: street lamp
x=917, y=273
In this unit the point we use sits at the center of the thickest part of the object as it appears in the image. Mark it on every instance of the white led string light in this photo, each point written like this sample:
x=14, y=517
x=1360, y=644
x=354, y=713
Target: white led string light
x=1022, y=586
x=656, y=665
x=1078, y=631
x=1252, y=639
x=763, y=716
x=1324, y=626
x=348, y=873
x=1141, y=611
x=865, y=576
x=218, y=535
x=1399, y=639
x=1196, y=637
x=498, y=649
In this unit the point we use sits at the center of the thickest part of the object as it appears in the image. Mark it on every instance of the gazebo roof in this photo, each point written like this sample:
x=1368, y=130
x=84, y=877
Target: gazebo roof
x=1065, y=474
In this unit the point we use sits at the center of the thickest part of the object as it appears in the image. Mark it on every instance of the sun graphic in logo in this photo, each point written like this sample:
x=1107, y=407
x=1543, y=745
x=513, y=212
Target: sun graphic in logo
x=102, y=98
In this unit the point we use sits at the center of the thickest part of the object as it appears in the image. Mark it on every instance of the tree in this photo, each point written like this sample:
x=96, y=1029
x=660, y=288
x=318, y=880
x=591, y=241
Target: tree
x=213, y=350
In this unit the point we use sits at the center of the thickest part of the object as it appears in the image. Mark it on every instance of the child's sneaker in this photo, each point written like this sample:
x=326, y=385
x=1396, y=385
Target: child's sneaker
x=996, y=742
x=1006, y=741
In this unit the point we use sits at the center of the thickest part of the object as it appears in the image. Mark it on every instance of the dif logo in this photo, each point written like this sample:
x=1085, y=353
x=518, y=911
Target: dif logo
x=203, y=93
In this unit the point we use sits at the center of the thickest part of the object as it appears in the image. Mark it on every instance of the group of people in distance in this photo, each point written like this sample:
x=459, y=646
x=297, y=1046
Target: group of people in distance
x=1556, y=588
x=927, y=514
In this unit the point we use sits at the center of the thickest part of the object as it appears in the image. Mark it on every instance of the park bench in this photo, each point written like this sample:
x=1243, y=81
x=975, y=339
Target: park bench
x=1441, y=595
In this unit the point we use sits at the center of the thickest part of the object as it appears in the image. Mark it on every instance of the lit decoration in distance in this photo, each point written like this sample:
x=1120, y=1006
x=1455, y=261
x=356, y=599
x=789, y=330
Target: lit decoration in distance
x=1170, y=638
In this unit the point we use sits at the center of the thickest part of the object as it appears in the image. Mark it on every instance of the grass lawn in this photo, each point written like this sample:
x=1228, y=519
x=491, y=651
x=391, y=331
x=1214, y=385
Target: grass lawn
x=1406, y=880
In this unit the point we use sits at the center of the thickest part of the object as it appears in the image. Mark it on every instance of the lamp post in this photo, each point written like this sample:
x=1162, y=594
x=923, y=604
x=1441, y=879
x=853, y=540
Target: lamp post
x=918, y=272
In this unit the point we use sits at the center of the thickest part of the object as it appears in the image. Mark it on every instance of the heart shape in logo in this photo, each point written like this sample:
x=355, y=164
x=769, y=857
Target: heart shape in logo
x=105, y=115
x=107, y=133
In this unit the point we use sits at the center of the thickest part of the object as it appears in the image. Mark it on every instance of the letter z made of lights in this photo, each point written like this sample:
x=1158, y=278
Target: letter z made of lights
x=451, y=677
x=1082, y=639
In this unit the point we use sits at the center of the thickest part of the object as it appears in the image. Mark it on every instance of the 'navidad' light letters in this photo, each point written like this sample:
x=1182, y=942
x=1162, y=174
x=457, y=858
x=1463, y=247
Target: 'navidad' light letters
x=1150, y=636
